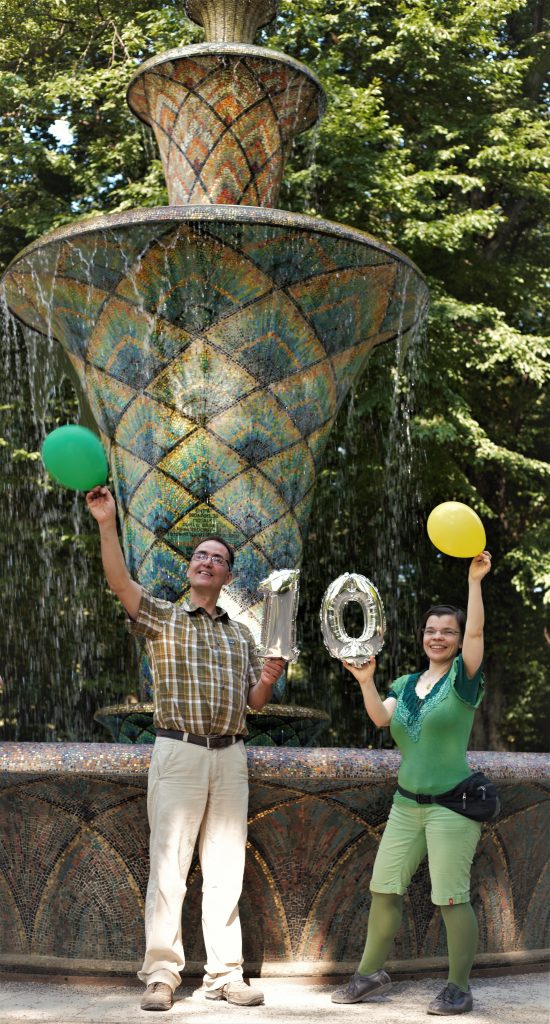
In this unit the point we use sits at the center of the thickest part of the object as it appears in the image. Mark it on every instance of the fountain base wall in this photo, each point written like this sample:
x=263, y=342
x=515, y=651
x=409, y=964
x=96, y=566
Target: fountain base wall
x=74, y=862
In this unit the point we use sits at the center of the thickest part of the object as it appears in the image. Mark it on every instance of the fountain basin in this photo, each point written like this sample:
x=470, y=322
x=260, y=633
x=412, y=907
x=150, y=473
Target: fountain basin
x=275, y=725
x=74, y=849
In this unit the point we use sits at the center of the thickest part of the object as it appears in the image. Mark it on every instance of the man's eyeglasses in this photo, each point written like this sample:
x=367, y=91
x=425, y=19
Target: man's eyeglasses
x=203, y=556
x=443, y=632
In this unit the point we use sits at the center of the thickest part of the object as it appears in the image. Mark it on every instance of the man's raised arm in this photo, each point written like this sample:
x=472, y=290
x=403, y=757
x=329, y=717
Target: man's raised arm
x=102, y=506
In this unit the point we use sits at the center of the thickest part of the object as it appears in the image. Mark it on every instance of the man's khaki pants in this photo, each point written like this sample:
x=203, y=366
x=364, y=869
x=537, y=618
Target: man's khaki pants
x=193, y=791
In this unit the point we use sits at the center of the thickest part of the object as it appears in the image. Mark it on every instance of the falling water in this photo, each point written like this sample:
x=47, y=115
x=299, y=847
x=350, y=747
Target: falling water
x=62, y=645
x=376, y=538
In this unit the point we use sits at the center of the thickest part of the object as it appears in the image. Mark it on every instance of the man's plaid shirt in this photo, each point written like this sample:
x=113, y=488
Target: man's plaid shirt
x=202, y=667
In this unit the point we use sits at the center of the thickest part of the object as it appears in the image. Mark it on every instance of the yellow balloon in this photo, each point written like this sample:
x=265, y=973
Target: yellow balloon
x=456, y=530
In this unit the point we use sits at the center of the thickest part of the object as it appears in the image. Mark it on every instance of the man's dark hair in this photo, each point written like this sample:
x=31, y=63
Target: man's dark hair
x=220, y=540
x=443, y=609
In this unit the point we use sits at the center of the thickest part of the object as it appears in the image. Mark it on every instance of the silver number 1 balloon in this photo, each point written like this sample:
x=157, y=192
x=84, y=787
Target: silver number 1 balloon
x=278, y=637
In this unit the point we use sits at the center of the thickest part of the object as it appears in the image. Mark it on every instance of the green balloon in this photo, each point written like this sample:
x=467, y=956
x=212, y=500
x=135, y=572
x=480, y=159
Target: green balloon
x=74, y=456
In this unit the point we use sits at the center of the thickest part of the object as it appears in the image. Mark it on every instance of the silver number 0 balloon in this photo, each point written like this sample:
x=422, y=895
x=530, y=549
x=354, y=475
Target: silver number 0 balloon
x=352, y=587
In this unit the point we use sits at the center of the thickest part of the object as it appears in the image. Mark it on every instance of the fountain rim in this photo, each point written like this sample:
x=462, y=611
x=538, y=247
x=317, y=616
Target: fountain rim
x=268, y=710
x=317, y=764
x=258, y=215
x=225, y=49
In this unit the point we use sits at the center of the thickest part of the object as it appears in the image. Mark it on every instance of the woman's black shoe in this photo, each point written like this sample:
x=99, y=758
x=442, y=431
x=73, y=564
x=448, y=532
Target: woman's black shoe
x=361, y=987
x=452, y=1000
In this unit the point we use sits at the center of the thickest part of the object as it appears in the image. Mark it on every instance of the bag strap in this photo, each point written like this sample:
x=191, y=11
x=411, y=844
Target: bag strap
x=421, y=798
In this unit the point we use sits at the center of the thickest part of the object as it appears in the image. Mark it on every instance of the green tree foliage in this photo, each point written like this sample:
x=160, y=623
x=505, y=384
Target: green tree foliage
x=435, y=140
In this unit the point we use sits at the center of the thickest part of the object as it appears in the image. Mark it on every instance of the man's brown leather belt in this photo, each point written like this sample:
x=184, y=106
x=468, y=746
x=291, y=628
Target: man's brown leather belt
x=212, y=742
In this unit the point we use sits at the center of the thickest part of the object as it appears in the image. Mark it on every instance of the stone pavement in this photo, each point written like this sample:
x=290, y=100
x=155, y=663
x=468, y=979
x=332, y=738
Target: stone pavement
x=510, y=999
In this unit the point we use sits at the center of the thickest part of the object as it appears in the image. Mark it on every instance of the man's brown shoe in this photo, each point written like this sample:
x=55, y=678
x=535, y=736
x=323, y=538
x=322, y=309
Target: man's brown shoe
x=158, y=996
x=238, y=993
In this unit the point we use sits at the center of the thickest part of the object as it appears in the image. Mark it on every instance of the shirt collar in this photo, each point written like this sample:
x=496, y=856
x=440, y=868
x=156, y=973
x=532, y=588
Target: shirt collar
x=194, y=609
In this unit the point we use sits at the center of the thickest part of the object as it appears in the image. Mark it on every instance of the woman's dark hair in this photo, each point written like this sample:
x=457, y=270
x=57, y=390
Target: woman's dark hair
x=443, y=609
x=220, y=540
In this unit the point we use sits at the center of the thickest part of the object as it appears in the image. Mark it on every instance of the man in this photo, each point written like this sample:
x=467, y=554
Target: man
x=205, y=671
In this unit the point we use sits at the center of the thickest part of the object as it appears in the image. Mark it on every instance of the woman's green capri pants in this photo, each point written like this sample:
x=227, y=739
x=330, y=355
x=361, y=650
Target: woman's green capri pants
x=413, y=830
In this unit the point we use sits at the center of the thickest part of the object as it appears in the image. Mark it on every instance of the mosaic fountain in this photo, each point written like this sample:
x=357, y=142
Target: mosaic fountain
x=215, y=340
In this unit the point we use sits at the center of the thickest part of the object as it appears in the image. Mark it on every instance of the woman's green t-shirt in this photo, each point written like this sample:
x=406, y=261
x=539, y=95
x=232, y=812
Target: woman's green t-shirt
x=433, y=733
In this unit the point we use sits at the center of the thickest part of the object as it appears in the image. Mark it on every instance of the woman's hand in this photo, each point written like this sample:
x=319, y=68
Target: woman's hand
x=363, y=673
x=479, y=567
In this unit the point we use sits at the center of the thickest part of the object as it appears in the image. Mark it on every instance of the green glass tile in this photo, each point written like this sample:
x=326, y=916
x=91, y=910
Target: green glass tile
x=201, y=382
x=159, y=502
x=74, y=314
x=256, y=427
x=79, y=368
x=22, y=297
x=406, y=305
x=137, y=541
x=130, y=346
x=345, y=308
x=250, y=502
x=288, y=255
x=291, y=471
x=281, y=542
x=347, y=366
x=309, y=397
x=270, y=338
x=149, y=430
x=192, y=281
x=317, y=442
x=202, y=463
x=108, y=399
x=163, y=572
x=102, y=258
x=201, y=522
x=128, y=472
x=302, y=511
x=251, y=566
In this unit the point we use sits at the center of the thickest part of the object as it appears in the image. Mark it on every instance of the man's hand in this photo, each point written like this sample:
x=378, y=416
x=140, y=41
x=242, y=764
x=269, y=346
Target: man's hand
x=272, y=669
x=260, y=693
x=101, y=504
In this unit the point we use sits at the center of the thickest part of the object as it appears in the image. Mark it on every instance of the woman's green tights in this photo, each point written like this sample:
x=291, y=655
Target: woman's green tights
x=384, y=923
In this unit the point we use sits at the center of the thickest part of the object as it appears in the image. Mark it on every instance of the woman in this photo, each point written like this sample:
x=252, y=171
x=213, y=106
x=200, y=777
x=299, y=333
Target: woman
x=430, y=715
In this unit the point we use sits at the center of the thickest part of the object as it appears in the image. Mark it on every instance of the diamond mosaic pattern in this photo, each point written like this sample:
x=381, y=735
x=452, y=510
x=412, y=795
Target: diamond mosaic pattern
x=215, y=371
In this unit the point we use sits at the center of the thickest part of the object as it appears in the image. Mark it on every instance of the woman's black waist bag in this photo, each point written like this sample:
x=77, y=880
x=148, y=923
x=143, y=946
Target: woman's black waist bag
x=475, y=797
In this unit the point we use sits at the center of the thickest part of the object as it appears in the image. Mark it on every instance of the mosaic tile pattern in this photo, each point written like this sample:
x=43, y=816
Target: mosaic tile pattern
x=73, y=848
x=224, y=118
x=215, y=346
